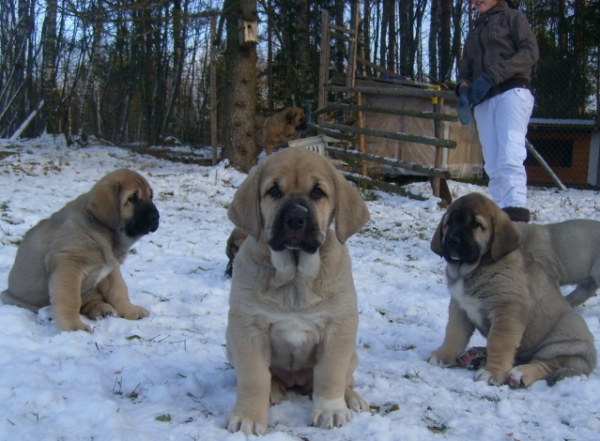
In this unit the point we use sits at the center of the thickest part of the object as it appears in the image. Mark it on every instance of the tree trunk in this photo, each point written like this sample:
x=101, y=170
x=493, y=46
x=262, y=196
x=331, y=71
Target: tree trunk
x=239, y=144
x=391, y=52
x=456, y=50
x=179, y=37
x=434, y=31
x=306, y=78
x=365, y=39
x=407, y=38
x=444, y=46
x=51, y=99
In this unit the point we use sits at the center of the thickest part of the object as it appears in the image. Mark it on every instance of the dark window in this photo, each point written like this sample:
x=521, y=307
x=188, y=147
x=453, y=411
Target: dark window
x=556, y=152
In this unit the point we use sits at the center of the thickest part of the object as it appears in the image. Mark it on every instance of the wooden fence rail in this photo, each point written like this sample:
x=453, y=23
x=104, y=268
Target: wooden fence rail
x=387, y=110
x=422, y=139
x=428, y=171
x=402, y=91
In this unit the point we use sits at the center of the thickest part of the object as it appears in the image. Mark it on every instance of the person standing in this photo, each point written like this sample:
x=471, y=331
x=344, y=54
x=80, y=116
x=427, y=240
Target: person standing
x=493, y=80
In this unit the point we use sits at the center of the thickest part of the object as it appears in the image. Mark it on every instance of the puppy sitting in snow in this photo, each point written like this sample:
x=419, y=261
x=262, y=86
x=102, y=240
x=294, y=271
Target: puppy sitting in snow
x=293, y=312
x=72, y=260
x=532, y=332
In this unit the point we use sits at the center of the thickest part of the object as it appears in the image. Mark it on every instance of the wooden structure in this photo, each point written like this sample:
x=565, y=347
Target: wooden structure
x=570, y=147
x=349, y=100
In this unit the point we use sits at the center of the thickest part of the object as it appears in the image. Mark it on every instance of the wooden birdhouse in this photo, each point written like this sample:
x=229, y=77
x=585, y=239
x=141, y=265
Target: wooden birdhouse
x=248, y=32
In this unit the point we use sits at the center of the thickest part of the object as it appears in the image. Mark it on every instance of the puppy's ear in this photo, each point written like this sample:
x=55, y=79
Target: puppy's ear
x=289, y=116
x=104, y=203
x=244, y=210
x=436, y=240
x=234, y=242
x=506, y=236
x=351, y=213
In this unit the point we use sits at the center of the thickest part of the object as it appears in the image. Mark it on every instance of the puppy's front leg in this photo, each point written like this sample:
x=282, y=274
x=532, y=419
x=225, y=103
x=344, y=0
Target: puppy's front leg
x=330, y=373
x=65, y=297
x=458, y=333
x=249, y=349
x=503, y=340
x=114, y=291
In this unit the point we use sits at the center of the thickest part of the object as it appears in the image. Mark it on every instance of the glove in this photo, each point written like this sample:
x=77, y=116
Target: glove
x=464, y=108
x=479, y=88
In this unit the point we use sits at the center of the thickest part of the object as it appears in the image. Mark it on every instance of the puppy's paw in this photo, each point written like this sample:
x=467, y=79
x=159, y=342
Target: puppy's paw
x=134, y=312
x=490, y=378
x=101, y=310
x=473, y=358
x=354, y=401
x=441, y=359
x=516, y=378
x=248, y=426
x=73, y=325
x=328, y=414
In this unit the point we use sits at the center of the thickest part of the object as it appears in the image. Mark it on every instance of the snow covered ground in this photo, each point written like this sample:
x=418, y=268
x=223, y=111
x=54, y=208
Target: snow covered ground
x=165, y=377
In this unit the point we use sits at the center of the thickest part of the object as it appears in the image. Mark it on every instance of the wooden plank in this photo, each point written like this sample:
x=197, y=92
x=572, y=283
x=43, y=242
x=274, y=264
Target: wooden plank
x=533, y=152
x=341, y=29
x=333, y=133
x=423, y=169
x=334, y=34
x=421, y=139
x=378, y=68
x=362, y=181
x=388, y=111
x=398, y=91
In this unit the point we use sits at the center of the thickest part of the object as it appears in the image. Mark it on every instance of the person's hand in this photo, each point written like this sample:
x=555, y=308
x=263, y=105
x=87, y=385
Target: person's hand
x=464, y=108
x=479, y=88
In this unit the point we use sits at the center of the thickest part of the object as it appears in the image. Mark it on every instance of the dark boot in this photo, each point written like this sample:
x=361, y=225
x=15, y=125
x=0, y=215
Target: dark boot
x=517, y=214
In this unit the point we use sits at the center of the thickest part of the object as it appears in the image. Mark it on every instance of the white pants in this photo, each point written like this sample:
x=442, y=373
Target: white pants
x=502, y=125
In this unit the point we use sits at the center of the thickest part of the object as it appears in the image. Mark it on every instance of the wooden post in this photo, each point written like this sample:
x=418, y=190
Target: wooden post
x=213, y=91
x=351, y=82
x=324, y=64
x=437, y=163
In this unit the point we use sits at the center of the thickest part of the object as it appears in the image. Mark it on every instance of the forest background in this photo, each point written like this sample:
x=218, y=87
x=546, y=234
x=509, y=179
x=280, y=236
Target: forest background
x=138, y=72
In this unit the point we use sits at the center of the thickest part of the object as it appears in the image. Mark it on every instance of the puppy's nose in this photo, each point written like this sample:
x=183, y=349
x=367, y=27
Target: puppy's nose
x=295, y=218
x=153, y=219
x=452, y=241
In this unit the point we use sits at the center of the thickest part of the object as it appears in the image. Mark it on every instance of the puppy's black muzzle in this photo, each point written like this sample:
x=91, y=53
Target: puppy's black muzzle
x=296, y=218
x=295, y=228
x=145, y=220
x=459, y=244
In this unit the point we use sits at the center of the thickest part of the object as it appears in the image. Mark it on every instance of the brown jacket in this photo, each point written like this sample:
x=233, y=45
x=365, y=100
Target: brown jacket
x=501, y=45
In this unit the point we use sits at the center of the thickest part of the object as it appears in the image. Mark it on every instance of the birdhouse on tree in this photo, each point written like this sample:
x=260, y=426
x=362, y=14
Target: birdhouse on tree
x=248, y=32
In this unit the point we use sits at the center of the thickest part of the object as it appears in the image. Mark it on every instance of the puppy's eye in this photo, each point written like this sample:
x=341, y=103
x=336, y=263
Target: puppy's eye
x=317, y=194
x=475, y=225
x=133, y=198
x=274, y=192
